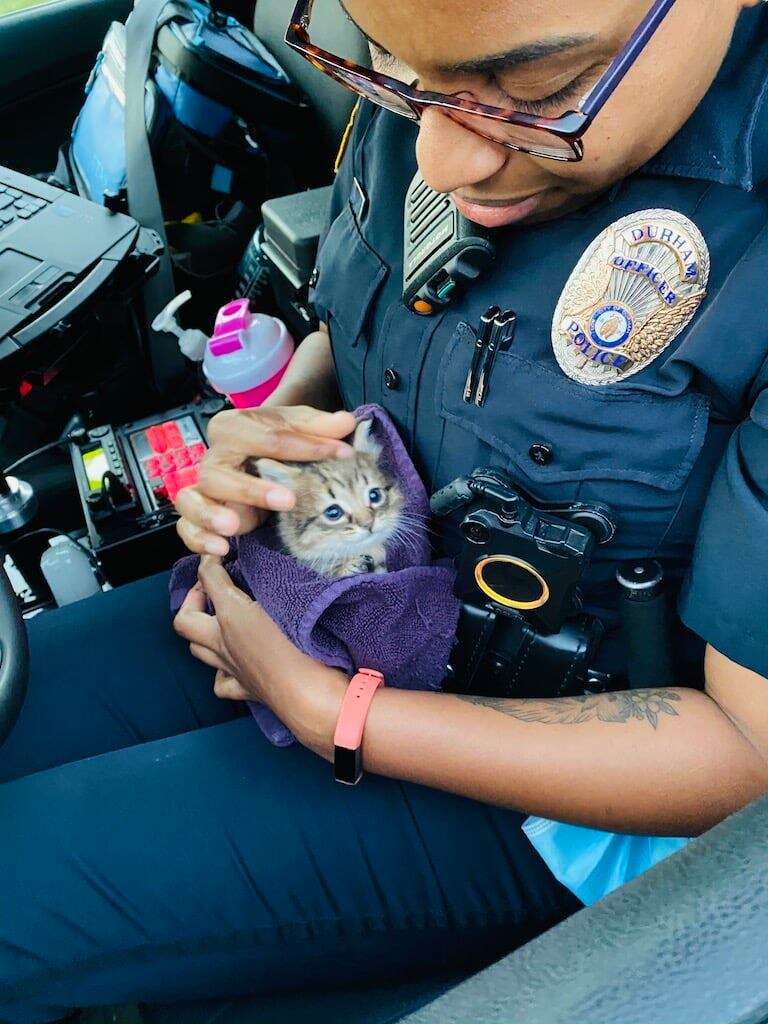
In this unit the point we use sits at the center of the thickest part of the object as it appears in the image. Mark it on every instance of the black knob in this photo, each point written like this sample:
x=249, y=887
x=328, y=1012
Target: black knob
x=476, y=533
x=391, y=378
x=540, y=453
x=640, y=581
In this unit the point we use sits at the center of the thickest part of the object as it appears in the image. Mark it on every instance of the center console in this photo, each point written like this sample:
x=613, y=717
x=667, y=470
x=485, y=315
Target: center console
x=127, y=480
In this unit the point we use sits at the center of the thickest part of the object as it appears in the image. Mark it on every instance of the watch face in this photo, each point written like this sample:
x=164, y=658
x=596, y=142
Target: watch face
x=347, y=765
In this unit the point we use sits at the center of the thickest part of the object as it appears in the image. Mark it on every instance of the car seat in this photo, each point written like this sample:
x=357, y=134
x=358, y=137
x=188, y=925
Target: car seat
x=332, y=29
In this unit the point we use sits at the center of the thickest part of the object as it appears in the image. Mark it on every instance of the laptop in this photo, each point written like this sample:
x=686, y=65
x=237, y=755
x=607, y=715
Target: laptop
x=56, y=251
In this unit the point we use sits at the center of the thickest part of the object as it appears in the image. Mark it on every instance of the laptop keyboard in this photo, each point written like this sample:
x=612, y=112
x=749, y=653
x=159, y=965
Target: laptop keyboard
x=17, y=205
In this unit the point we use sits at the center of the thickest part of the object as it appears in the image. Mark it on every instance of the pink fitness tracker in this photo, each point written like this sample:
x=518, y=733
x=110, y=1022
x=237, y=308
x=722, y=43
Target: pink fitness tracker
x=348, y=738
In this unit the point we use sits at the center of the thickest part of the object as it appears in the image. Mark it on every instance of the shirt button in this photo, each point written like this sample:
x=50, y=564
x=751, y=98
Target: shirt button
x=391, y=378
x=541, y=454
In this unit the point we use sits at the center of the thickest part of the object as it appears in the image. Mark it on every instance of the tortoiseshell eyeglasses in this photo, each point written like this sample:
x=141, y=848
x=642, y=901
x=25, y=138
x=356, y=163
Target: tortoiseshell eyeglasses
x=556, y=138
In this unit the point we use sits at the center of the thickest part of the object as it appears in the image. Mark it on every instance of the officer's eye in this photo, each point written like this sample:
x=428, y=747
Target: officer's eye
x=375, y=496
x=554, y=100
x=333, y=513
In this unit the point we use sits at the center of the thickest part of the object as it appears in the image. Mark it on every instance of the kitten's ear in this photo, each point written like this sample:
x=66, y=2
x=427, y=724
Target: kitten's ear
x=276, y=472
x=363, y=440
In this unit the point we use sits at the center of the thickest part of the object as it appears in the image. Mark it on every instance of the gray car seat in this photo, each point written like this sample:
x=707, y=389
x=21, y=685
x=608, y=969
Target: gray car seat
x=331, y=29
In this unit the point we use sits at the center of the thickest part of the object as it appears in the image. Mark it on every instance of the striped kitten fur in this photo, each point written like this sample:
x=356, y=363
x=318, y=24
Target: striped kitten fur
x=345, y=512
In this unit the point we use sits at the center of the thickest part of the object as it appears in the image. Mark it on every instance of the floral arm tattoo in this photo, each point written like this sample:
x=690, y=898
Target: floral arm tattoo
x=626, y=706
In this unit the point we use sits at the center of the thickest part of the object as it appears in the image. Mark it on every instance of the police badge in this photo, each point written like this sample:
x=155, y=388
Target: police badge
x=633, y=291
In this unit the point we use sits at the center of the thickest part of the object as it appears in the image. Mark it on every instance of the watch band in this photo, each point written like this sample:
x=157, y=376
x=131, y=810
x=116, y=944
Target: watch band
x=348, y=738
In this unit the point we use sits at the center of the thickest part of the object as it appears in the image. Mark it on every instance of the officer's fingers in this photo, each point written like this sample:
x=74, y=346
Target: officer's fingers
x=238, y=435
x=324, y=424
x=227, y=687
x=195, y=601
x=288, y=444
x=208, y=657
x=218, y=482
x=198, y=627
x=218, y=585
x=199, y=541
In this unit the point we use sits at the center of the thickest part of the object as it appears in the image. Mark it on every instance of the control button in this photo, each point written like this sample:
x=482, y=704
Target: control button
x=314, y=277
x=197, y=451
x=541, y=454
x=391, y=378
x=100, y=432
x=173, y=436
x=156, y=439
x=5, y=201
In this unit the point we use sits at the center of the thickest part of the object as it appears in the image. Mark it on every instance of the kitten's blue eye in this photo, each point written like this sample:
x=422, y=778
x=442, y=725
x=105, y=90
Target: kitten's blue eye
x=334, y=513
x=375, y=496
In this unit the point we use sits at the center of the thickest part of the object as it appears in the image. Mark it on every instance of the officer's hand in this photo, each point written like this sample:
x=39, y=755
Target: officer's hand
x=227, y=501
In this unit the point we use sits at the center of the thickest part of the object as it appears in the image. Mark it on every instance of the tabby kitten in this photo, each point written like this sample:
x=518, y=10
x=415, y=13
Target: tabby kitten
x=345, y=512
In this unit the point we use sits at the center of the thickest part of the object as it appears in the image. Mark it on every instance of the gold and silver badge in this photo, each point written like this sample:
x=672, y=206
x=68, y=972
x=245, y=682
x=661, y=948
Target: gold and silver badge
x=633, y=291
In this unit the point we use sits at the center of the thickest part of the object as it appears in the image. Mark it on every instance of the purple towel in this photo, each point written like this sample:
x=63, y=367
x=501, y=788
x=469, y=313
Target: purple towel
x=401, y=623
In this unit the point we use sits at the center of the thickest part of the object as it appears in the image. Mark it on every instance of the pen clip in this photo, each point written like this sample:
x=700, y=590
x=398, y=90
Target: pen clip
x=502, y=335
x=483, y=337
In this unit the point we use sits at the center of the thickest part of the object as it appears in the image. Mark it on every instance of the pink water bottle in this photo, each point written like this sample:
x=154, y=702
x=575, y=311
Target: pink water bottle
x=248, y=354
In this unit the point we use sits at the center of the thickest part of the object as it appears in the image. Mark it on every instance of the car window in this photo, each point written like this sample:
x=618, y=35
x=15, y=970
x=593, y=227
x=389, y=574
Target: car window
x=11, y=6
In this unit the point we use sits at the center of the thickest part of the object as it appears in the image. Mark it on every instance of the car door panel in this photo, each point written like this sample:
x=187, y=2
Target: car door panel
x=46, y=53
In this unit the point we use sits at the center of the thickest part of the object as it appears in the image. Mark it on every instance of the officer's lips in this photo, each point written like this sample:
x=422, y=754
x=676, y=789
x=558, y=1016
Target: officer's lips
x=497, y=213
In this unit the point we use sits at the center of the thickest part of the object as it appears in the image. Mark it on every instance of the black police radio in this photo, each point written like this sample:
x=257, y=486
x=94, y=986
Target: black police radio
x=522, y=630
x=443, y=252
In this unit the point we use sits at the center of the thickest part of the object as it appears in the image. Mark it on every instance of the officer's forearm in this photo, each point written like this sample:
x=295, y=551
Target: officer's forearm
x=310, y=378
x=654, y=761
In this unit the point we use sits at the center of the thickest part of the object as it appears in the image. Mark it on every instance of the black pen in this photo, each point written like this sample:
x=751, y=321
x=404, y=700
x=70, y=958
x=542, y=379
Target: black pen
x=501, y=338
x=483, y=339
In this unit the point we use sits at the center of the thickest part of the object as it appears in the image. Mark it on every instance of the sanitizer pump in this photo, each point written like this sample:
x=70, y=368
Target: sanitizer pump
x=191, y=342
x=247, y=355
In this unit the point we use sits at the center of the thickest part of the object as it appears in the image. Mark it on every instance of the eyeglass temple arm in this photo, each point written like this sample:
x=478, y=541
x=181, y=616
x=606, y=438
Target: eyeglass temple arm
x=605, y=88
x=302, y=12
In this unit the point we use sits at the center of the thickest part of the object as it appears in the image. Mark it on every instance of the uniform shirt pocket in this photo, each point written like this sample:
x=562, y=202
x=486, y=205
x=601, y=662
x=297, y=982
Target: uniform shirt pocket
x=612, y=434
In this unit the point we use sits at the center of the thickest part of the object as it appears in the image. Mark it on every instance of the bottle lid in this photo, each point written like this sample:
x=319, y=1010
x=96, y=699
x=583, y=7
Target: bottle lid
x=257, y=348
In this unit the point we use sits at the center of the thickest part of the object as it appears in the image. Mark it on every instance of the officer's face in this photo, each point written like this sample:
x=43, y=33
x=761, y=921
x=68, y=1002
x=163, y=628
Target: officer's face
x=495, y=186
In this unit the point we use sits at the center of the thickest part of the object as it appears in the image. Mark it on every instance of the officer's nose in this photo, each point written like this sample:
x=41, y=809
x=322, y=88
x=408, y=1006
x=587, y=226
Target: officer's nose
x=452, y=157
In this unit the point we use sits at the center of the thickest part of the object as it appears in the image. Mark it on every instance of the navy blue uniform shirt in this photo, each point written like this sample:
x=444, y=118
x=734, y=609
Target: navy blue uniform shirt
x=680, y=449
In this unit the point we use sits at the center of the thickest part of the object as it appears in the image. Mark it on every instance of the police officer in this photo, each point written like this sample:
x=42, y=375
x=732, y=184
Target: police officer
x=208, y=864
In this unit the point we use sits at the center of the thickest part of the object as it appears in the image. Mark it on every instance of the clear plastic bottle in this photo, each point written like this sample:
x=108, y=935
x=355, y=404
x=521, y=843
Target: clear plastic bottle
x=68, y=571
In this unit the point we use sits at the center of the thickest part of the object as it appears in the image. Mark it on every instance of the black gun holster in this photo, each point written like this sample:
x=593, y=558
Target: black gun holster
x=498, y=654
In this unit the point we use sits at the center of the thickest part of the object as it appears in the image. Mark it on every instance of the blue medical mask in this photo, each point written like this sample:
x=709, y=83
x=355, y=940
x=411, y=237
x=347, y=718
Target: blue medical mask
x=592, y=863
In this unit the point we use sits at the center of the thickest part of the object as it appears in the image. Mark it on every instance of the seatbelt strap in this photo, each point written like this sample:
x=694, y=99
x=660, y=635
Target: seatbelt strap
x=143, y=197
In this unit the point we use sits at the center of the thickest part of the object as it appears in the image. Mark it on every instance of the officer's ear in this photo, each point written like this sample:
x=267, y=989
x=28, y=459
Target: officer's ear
x=363, y=440
x=276, y=472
